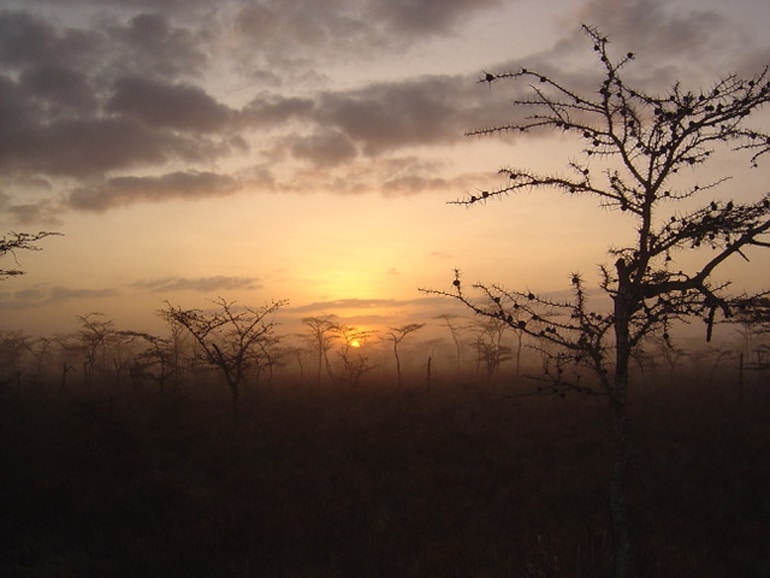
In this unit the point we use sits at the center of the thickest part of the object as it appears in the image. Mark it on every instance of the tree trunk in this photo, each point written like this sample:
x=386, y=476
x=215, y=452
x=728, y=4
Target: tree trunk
x=234, y=392
x=618, y=506
x=398, y=363
x=620, y=424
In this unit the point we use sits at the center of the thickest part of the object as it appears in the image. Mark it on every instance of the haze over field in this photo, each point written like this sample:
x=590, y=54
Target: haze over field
x=305, y=151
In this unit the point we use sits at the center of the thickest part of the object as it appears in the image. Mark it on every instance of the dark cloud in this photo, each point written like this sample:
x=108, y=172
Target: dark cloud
x=326, y=149
x=33, y=213
x=92, y=146
x=29, y=40
x=426, y=16
x=121, y=93
x=155, y=5
x=673, y=42
x=39, y=296
x=176, y=106
x=358, y=27
x=655, y=28
x=137, y=85
x=383, y=117
x=201, y=284
x=122, y=191
x=346, y=304
x=413, y=185
x=60, y=90
x=150, y=43
x=272, y=110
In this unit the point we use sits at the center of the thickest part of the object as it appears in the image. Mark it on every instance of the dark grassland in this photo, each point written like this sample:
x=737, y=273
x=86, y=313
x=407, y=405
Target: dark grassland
x=373, y=483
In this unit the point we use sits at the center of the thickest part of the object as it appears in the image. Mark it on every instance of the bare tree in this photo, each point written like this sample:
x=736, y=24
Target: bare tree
x=14, y=347
x=94, y=333
x=323, y=332
x=397, y=334
x=634, y=144
x=229, y=337
x=158, y=360
x=456, y=331
x=490, y=350
x=354, y=362
x=13, y=242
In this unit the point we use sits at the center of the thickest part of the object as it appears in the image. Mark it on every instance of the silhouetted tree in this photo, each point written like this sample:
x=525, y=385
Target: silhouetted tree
x=323, y=332
x=397, y=334
x=12, y=242
x=354, y=362
x=157, y=360
x=490, y=350
x=634, y=144
x=456, y=331
x=94, y=333
x=228, y=338
x=14, y=347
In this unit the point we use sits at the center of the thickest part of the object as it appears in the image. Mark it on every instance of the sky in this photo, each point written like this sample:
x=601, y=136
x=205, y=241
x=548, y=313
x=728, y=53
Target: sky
x=261, y=150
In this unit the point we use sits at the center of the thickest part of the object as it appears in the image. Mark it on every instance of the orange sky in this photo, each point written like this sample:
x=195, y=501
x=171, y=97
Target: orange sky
x=305, y=151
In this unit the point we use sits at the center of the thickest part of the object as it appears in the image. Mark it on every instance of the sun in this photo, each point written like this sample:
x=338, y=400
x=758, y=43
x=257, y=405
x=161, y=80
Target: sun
x=355, y=343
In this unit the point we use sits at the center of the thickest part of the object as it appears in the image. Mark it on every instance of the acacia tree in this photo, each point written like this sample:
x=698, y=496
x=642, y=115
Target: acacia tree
x=228, y=338
x=323, y=332
x=94, y=333
x=397, y=335
x=157, y=361
x=353, y=362
x=455, y=330
x=490, y=350
x=14, y=347
x=13, y=242
x=634, y=144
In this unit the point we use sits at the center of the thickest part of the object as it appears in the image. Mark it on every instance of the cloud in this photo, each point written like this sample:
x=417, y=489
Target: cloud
x=175, y=106
x=26, y=39
x=152, y=44
x=32, y=213
x=123, y=191
x=275, y=109
x=288, y=30
x=384, y=117
x=673, y=41
x=346, y=304
x=413, y=185
x=406, y=17
x=124, y=92
x=324, y=149
x=201, y=284
x=42, y=295
x=144, y=85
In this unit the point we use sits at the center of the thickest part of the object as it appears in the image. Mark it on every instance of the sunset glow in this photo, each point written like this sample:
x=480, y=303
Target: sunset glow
x=189, y=151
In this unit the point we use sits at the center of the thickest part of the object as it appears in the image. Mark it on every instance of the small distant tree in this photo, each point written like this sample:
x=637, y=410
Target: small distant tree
x=397, y=335
x=12, y=242
x=94, y=334
x=15, y=346
x=323, y=332
x=456, y=330
x=229, y=338
x=635, y=148
x=353, y=361
x=490, y=349
x=156, y=360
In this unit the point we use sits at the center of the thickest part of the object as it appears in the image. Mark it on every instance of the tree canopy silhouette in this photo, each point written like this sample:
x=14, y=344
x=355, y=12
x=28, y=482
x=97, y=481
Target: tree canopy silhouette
x=634, y=146
x=232, y=339
x=13, y=242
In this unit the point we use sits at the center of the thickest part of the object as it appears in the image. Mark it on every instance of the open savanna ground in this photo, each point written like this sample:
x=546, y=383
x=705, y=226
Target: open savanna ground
x=373, y=482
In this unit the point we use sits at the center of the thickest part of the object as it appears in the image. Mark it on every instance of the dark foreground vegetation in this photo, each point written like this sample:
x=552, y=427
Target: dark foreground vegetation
x=370, y=482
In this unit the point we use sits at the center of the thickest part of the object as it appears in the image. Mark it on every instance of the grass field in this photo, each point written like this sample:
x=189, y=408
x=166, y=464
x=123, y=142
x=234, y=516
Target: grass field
x=452, y=482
